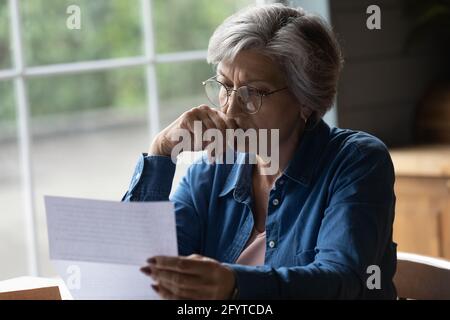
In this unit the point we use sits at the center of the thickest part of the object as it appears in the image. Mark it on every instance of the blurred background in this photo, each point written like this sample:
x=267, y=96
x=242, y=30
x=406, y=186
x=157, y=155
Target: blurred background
x=77, y=107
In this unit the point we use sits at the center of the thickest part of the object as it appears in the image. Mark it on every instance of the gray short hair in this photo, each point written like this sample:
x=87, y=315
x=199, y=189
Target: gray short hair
x=303, y=45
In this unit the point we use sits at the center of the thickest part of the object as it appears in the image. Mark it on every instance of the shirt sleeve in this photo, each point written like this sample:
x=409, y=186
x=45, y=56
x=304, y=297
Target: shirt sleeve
x=152, y=181
x=355, y=233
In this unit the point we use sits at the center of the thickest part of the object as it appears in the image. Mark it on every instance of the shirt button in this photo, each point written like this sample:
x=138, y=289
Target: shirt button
x=275, y=202
x=272, y=244
x=281, y=182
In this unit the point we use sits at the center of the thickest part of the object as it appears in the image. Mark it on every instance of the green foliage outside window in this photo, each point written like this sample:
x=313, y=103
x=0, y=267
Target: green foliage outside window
x=110, y=29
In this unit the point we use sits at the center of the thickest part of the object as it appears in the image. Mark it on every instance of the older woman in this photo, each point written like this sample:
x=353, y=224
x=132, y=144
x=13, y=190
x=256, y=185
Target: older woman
x=321, y=226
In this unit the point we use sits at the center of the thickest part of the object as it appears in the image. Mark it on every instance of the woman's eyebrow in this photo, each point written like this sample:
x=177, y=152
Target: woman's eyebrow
x=258, y=80
x=219, y=73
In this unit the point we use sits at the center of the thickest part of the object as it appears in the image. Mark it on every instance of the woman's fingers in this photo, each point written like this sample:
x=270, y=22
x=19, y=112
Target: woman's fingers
x=217, y=143
x=176, y=285
x=219, y=122
x=214, y=141
x=169, y=294
x=231, y=123
x=164, y=292
x=181, y=264
x=193, y=277
x=212, y=118
x=177, y=279
x=209, y=118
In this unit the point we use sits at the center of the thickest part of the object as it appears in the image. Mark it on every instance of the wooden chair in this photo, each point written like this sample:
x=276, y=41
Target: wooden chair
x=421, y=277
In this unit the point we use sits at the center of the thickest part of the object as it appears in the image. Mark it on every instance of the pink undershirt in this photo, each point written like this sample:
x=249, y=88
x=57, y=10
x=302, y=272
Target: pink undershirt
x=255, y=250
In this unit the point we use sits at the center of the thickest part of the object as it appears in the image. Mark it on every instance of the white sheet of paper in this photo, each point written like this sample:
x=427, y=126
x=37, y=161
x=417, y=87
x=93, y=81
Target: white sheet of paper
x=98, y=246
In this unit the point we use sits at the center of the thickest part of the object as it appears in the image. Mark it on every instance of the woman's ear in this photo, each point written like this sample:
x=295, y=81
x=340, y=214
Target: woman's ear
x=305, y=113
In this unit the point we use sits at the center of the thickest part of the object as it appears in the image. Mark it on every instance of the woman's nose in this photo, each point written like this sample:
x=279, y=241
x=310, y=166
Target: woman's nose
x=233, y=104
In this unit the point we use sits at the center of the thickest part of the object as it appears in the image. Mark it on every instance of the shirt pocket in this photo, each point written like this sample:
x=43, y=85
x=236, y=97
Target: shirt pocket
x=305, y=257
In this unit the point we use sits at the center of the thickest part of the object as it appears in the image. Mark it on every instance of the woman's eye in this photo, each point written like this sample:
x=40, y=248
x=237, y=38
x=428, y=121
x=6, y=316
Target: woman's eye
x=263, y=90
x=256, y=91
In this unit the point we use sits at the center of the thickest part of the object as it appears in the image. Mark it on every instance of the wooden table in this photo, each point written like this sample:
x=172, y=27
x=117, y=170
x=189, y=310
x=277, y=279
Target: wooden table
x=26, y=288
x=422, y=188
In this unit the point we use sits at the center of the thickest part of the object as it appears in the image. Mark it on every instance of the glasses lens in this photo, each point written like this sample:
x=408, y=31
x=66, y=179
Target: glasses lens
x=216, y=93
x=250, y=99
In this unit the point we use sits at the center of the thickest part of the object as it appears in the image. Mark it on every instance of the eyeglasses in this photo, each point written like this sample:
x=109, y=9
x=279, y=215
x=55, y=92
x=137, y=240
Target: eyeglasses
x=249, y=97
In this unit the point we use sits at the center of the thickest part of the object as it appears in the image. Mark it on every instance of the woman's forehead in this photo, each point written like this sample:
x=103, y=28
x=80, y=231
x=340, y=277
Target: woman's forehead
x=249, y=65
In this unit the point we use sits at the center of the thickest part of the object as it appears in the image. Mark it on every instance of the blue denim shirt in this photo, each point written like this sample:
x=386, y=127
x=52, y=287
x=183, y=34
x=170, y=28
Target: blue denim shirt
x=329, y=218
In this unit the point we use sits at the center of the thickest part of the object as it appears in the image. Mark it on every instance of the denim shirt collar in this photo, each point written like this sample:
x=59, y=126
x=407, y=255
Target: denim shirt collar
x=300, y=169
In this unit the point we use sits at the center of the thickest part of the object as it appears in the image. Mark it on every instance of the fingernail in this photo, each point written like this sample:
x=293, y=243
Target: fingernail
x=146, y=270
x=151, y=260
x=155, y=287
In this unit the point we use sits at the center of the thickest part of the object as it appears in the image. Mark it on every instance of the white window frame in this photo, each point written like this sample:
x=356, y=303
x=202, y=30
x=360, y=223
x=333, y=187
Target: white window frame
x=20, y=72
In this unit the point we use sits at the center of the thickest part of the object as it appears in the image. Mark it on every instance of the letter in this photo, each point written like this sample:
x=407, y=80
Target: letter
x=235, y=308
x=229, y=136
x=373, y=281
x=207, y=310
x=198, y=143
x=74, y=20
x=214, y=150
x=184, y=144
x=373, y=21
x=260, y=309
x=238, y=138
x=251, y=307
x=274, y=157
x=74, y=279
x=189, y=310
x=269, y=309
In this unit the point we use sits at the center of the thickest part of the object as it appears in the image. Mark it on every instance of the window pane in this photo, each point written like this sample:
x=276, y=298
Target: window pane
x=190, y=23
x=180, y=88
x=12, y=230
x=122, y=90
x=109, y=29
x=88, y=132
x=5, y=54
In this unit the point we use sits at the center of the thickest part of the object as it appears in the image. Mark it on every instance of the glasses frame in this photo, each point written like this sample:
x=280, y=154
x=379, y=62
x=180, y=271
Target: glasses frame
x=230, y=91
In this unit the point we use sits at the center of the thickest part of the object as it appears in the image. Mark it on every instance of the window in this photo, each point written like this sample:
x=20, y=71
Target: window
x=77, y=107
x=202, y=17
x=5, y=56
x=110, y=29
x=12, y=222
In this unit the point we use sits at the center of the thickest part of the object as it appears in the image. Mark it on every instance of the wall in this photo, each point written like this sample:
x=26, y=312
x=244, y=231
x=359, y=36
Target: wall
x=381, y=84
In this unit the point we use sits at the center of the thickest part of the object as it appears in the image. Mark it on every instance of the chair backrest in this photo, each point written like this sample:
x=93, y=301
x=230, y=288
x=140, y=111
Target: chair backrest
x=422, y=277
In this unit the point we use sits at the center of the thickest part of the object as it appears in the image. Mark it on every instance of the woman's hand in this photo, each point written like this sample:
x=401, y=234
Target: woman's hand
x=210, y=118
x=192, y=277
